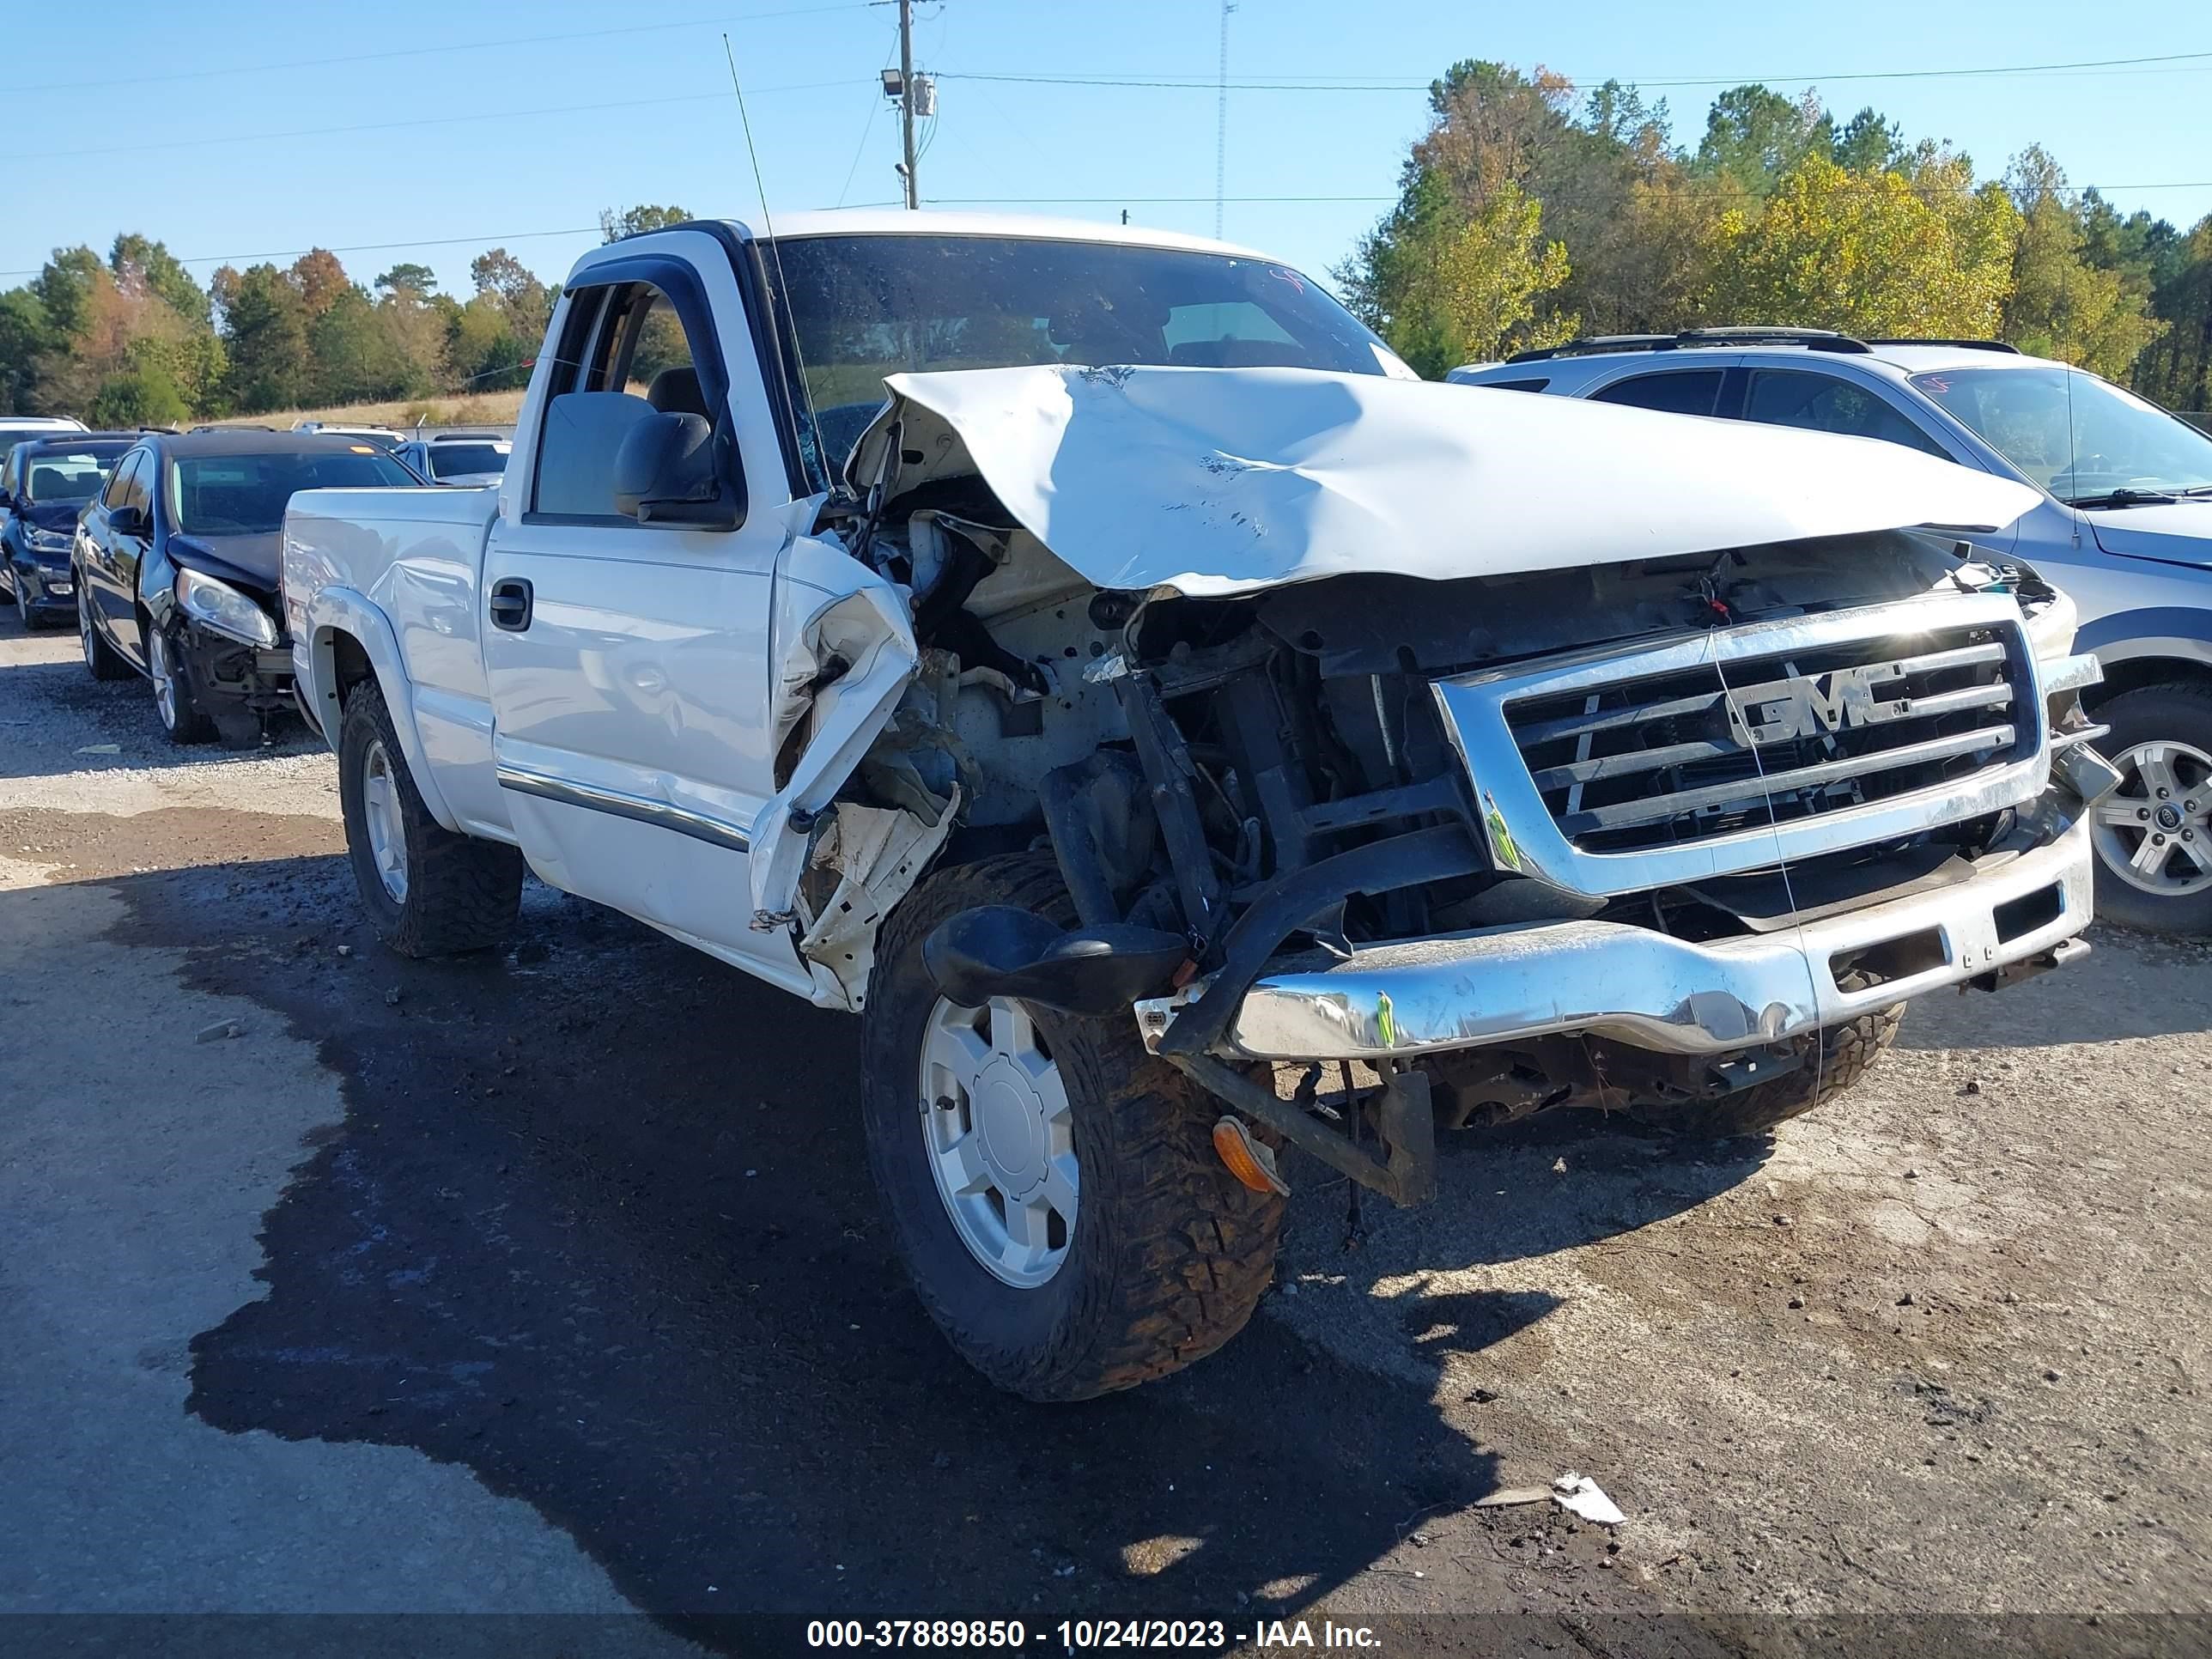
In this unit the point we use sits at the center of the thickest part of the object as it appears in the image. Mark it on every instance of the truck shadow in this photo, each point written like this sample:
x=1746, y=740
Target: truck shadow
x=597, y=1226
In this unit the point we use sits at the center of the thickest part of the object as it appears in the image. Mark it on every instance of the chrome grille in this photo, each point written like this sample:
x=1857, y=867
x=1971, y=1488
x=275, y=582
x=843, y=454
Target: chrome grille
x=1670, y=758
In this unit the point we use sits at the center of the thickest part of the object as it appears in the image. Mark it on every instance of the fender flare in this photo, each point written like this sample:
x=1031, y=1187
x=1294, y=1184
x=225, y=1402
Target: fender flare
x=2182, y=633
x=336, y=610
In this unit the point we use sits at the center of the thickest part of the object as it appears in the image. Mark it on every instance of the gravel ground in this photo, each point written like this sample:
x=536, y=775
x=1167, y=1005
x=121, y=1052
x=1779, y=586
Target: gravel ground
x=587, y=1221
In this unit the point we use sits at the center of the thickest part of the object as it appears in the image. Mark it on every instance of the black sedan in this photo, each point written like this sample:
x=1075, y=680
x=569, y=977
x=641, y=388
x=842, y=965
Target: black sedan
x=176, y=569
x=45, y=483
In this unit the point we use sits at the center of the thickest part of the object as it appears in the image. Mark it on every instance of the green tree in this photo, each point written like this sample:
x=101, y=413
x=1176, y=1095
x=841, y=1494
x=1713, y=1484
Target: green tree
x=1868, y=143
x=1867, y=254
x=265, y=332
x=2062, y=304
x=138, y=396
x=418, y=280
x=615, y=223
x=1754, y=136
x=505, y=279
x=1491, y=276
x=25, y=336
x=2177, y=369
x=135, y=259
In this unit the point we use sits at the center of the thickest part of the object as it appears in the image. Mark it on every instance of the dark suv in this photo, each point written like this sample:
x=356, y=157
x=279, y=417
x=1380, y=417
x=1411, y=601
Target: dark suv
x=44, y=483
x=176, y=566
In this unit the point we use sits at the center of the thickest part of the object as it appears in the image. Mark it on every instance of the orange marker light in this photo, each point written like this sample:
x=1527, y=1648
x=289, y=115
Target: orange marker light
x=1246, y=1158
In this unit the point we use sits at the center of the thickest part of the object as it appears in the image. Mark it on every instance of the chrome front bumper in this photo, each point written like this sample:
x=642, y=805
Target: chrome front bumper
x=1644, y=988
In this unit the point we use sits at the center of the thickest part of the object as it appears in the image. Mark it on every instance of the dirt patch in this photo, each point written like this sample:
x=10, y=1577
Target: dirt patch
x=95, y=846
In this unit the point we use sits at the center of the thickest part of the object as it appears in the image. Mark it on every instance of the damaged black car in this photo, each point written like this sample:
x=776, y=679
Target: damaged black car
x=175, y=570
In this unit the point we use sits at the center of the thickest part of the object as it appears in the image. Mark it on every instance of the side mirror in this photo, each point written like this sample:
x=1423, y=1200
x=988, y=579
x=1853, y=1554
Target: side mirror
x=666, y=472
x=127, y=520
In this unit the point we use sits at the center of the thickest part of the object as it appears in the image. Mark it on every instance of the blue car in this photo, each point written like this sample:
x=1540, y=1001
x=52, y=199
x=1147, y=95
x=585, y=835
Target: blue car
x=45, y=483
x=2124, y=528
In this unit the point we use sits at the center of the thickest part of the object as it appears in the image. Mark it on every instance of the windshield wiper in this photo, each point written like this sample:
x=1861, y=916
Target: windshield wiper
x=2123, y=498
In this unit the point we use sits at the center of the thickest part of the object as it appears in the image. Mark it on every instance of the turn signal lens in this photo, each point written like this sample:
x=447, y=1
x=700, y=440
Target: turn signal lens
x=1246, y=1158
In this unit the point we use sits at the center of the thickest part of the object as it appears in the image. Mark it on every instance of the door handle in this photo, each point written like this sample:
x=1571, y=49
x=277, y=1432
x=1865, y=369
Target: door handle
x=510, y=603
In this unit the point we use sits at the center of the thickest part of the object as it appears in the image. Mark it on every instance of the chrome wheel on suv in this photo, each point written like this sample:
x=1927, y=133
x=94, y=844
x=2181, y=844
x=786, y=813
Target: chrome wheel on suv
x=996, y=1129
x=379, y=811
x=2154, y=831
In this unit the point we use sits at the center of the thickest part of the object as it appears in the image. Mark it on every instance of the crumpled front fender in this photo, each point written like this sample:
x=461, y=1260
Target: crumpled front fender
x=843, y=652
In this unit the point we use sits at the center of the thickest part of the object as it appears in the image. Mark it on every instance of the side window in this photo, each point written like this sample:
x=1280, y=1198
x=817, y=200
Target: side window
x=1676, y=391
x=1821, y=403
x=139, y=491
x=118, y=481
x=1536, y=383
x=626, y=354
x=8, y=485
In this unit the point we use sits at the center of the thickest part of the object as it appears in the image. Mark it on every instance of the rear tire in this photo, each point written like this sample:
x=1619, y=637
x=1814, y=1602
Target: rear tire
x=104, y=661
x=1168, y=1253
x=428, y=892
x=1846, y=1053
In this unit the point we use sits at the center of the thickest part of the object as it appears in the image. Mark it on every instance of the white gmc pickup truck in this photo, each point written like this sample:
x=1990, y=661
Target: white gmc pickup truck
x=1091, y=657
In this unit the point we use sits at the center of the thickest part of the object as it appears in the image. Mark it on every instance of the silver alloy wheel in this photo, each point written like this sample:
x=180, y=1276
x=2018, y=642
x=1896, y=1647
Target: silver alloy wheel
x=999, y=1138
x=380, y=812
x=2154, y=831
x=84, y=627
x=164, y=674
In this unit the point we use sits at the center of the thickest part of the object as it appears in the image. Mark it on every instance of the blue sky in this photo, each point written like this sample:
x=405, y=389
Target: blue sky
x=238, y=163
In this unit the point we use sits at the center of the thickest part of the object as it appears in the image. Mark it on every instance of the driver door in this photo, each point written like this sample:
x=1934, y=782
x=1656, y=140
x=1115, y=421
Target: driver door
x=628, y=661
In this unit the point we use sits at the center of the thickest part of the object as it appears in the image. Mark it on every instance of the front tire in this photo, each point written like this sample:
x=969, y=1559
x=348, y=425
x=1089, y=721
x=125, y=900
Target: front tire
x=101, y=660
x=176, y=705
x=2153, y=833
x=1166, y=1254
x=428, y=892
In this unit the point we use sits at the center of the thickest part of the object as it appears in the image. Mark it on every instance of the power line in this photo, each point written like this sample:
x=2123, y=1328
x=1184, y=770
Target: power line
x=510, y=42
x=2199, y=61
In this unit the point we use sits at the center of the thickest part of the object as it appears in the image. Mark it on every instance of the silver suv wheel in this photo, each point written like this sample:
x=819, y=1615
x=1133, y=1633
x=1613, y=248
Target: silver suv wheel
x=2154, y=831
x=998, y=1135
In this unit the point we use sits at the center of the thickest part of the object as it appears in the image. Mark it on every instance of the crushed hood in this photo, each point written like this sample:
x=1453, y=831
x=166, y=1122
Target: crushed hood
x=1212, y=481
x=244, y=560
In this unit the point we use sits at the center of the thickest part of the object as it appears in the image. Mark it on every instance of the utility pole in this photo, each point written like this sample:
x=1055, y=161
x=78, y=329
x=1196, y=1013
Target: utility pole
x=1221, y=120
x=905, y=100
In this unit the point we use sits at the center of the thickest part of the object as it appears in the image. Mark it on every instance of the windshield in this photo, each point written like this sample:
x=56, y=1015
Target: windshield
x=866, y=306
x=55, y=476
x=452, y=460
x=2079, y=437
x=245, y=494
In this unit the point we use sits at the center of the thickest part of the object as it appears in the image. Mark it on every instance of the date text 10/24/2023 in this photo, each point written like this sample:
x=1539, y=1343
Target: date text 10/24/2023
x=1089, y=1635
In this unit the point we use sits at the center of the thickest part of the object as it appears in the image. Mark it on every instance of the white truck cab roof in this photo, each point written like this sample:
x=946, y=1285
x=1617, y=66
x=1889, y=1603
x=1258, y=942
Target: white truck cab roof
x=901, y=222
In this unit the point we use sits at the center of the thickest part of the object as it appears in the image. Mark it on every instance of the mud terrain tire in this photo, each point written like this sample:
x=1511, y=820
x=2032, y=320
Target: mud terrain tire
x=1846, y=1053
x=1169, y=1253
x=461, y=894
